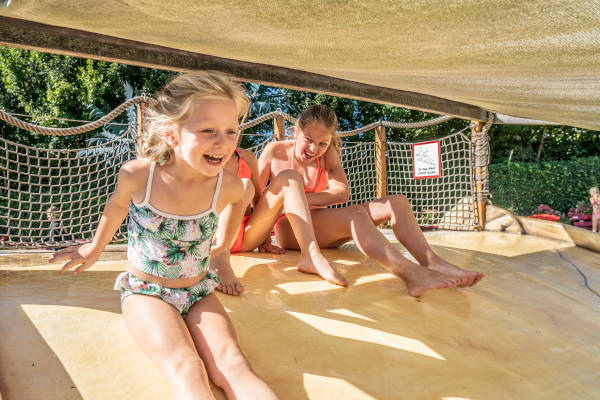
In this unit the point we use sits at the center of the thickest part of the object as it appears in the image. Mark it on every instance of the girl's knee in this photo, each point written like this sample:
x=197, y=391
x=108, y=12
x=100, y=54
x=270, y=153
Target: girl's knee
x=231, y=356
x=248, y=189
x=288, y=175
x=229, y=362
x=398, y=199
x=184, y=365
x=358, y=212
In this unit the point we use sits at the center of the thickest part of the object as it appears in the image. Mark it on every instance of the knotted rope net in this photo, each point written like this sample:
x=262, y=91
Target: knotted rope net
x=52, y=198
x=55, y=197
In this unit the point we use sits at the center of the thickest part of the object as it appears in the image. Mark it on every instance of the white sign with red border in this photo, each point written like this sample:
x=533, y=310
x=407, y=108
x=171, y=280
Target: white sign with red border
x=427, y=162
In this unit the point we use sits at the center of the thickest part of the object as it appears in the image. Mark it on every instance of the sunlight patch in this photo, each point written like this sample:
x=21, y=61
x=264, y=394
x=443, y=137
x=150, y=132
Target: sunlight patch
x=307, y=287
x=241, y=264
x=348, y=313
x=332, y=388
x=501, y=244
x=345, y=262
x=361, y=333
x=374, y=278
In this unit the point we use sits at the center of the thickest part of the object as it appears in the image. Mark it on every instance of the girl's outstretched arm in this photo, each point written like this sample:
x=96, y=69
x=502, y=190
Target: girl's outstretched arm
x=113, y=215
x=338, y=191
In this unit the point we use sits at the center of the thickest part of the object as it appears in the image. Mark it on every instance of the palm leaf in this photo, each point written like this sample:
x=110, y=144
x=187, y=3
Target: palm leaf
x=175, y=254
x=165, y=229
x=153, y=267
x=173, y=272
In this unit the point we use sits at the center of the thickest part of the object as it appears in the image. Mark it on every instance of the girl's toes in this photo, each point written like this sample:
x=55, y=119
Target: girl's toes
x=239, y=288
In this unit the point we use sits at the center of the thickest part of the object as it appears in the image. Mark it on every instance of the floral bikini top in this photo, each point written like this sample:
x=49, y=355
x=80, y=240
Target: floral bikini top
x=170, y=246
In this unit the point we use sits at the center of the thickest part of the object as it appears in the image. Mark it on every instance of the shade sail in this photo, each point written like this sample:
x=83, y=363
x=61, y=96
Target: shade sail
x=532, y=59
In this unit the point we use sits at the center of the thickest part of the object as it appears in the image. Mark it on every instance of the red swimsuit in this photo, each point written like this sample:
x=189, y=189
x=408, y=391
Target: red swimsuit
x=243, y=171
x=320, y=182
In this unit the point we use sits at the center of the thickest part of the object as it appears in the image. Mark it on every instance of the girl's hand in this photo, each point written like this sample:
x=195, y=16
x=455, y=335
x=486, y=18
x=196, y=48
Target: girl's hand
x=268, y=247
x=84, y=256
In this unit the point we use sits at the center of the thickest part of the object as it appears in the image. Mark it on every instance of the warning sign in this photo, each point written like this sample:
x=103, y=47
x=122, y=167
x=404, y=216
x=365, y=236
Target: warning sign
x=426, y=160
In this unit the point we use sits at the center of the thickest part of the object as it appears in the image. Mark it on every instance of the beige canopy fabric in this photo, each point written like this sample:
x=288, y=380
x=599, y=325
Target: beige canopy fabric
x=533, y=59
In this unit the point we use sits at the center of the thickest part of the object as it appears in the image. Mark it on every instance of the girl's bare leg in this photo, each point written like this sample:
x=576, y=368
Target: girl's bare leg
x=222, y=264
x=397, y=210
x=595, y=223
x=216, y=342
x=287, y=191
x=159, y=330
x=334, y=226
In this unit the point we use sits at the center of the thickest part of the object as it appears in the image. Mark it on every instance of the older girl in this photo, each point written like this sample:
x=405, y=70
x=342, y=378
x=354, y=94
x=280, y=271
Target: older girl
x=284, y=193
x=315, y=156
x=174, y=194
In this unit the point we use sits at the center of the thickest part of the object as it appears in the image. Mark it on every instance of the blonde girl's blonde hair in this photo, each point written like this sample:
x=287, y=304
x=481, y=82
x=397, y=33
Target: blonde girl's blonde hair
x=175, y=104
x=594, y=190
x=323, y=115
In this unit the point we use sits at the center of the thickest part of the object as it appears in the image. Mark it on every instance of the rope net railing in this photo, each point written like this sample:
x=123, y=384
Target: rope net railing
x=358, y=160
x=51, y=197
x=441, y=203
x=55, y=197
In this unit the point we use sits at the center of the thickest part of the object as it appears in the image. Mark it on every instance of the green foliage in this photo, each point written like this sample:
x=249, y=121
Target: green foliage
x=521, y=187
x=539, y=143
x=354, y=114
x=49, y=86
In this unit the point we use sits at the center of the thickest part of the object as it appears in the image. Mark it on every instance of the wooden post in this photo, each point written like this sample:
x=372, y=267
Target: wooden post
x=480, y=170
x=279, y=128
x=380, y=162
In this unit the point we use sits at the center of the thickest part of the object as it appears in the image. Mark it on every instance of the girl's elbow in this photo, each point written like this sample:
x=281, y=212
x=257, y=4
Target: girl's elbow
x=344, y=196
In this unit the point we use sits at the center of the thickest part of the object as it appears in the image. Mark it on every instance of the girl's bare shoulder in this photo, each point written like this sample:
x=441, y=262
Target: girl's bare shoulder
x=279, y=149
x=232, y=186
x=135, y=172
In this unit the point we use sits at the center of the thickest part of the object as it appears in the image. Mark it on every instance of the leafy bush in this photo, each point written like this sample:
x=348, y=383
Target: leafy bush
x=520, y=187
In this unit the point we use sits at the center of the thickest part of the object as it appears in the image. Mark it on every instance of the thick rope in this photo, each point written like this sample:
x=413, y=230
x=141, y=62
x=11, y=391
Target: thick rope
x=265, y=117
x=143, y=99
x=371, y=126
x=481, y=159
x=76, y=130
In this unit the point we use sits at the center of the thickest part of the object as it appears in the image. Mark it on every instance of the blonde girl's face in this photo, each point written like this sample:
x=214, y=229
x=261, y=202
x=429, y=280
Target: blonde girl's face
x=207, y=139
x=312, y=142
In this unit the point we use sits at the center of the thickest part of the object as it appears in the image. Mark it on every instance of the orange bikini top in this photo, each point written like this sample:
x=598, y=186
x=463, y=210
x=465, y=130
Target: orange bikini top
x=244, y=170
x=319, y=183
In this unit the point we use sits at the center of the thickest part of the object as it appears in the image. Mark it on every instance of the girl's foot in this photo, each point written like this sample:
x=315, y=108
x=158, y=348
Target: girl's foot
x=229, y=283
x=316, y=263
x=420, y=279
x=467, y=278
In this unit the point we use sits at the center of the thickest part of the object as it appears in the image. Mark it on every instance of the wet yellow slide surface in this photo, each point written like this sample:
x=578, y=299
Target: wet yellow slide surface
x=529, y=330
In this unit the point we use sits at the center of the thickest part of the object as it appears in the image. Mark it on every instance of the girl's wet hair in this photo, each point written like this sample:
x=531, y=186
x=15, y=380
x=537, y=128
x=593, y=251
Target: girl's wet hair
x=175, y=105
x=323, y=115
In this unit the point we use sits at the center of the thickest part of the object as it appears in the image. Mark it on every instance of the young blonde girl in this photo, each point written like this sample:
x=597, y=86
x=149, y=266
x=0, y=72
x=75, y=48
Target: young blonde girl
x=595, y=202
x=314, y=155
x=173, y=194
x=284, y=193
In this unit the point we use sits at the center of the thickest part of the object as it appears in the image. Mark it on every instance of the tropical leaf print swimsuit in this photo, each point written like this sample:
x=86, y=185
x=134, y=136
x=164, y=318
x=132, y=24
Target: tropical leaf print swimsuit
x=170, y=246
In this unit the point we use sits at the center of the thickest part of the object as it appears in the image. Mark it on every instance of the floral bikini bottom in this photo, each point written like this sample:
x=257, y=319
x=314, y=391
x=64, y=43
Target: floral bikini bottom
x=182, y=298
